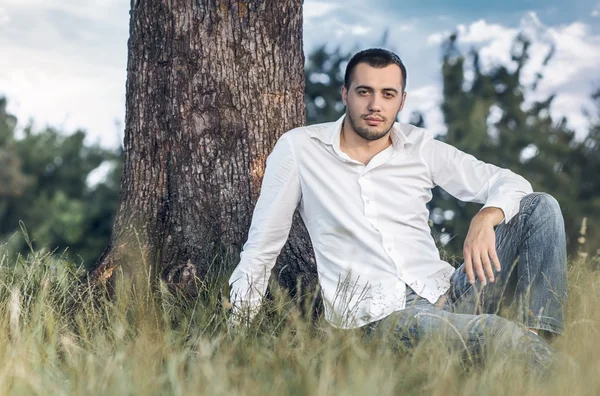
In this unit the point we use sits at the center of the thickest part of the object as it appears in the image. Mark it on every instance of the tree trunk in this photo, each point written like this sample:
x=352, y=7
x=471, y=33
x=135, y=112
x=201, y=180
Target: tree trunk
x=211, y=85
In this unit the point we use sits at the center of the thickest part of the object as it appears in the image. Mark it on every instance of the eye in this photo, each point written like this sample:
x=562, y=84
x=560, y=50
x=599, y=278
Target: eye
x=362, y=92
x=389, y=95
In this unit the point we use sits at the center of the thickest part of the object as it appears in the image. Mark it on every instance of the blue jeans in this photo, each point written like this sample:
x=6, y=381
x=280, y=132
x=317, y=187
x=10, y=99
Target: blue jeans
x=532, y=252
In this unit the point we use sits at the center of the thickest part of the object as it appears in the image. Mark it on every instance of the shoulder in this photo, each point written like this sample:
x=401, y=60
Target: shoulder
x=298, y=140
x=306, y=136
x=309, y=131
x=415, y=135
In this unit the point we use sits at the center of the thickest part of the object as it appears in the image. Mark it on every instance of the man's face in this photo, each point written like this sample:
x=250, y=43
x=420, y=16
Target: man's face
x=373, y=100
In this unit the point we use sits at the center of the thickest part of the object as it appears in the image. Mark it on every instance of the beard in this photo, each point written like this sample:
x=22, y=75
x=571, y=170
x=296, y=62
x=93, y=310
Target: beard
x=369, y=133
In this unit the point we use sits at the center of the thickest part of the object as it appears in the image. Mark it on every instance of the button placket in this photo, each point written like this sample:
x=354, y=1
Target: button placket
x=371, y=214
x=368, y=199
x=398, y=261
x=400, y=270
x=380, y=159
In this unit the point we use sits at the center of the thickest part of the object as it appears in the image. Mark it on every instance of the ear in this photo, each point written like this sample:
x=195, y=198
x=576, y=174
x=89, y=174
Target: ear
x=344, y=95
x=402, y=102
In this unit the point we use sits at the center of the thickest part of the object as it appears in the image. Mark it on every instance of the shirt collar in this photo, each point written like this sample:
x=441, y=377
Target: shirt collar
x=331, y=136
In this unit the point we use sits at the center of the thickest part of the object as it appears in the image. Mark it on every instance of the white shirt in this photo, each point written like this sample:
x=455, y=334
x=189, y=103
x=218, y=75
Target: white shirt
x=368, y=223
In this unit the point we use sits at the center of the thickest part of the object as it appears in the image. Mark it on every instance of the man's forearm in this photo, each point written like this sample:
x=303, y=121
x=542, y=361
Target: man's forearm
x=271, y=222
x=490, y=215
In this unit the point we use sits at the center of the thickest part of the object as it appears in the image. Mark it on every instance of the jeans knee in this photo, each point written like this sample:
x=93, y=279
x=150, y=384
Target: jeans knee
x=545, y=210
x=500, y=329
x=545, y=203
x=406, y=317
x=492, y=323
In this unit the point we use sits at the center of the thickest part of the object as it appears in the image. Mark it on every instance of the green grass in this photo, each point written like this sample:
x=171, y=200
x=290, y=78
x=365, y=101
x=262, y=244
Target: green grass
x=156, y=343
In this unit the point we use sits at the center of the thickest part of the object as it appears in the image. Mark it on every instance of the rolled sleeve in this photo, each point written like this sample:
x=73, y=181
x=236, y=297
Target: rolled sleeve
x=507, y=193
x=468, y=179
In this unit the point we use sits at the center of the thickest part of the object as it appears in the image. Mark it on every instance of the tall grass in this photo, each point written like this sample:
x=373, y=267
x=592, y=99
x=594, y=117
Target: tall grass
x=156, y=343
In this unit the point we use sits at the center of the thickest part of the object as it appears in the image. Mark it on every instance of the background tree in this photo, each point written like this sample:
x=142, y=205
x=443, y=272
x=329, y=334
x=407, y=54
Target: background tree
x=210, y=88
x=488, y=117
x=324, y=73
x=12, y=180
x=589, y=190
x=44, y=184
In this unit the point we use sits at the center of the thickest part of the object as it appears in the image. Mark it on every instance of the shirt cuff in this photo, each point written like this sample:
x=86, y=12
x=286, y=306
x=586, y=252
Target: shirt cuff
x=509, y=209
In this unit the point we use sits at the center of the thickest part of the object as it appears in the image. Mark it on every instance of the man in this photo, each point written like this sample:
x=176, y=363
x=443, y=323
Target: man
x=361, y=185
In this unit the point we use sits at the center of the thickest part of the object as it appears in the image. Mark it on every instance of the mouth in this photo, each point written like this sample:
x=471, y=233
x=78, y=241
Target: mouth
x=373, y=121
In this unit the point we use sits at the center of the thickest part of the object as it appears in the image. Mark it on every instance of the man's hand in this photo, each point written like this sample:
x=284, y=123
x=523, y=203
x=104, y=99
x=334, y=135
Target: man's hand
x=480, y=246
x=238, y=317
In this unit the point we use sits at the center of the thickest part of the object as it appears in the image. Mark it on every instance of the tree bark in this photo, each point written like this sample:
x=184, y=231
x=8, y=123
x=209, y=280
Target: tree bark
x=211, y=85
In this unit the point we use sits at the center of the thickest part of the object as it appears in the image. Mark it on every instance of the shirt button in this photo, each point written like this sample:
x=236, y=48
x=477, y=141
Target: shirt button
x=389, y=248
x=368, y=201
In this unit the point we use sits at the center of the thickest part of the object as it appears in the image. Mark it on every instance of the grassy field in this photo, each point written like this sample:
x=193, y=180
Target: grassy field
x=147, y=344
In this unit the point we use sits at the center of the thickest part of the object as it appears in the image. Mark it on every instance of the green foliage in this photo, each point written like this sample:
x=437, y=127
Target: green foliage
x=524, y=139
x=324, y=72
x=12, y=179
x=46, y=188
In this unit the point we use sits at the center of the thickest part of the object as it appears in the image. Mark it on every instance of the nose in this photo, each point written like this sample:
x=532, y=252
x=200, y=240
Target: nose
x=375, y=103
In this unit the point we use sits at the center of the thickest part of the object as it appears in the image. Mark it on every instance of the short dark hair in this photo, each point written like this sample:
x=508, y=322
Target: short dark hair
x=374, y=57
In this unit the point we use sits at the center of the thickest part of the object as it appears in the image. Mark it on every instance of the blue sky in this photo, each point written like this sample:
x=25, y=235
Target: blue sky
x=555, y=11
x=63, y=62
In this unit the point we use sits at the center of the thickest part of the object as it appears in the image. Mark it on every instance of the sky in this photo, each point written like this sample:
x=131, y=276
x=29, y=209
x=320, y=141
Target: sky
x=63, y=62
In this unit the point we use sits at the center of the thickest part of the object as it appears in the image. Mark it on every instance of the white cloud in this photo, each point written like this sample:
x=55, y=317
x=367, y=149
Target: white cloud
x=577, y=52
x=353, y=25
x=316, y=9
x=406, y=27
x=4, y=17
x=427, y=100
x=481, y=31
x=436, y=39
x=570, y=73
x=571, y=105
x=477, y=32
x=64, y=92
x=89, y=9
x=62, y=70
x=335, y=31
x=359, y=30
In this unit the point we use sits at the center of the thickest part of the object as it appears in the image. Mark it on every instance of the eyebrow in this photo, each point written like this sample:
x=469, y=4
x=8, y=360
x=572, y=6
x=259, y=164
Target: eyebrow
x=371, y=89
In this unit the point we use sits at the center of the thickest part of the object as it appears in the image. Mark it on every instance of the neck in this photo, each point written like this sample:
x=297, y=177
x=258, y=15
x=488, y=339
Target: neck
x=361, y=149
